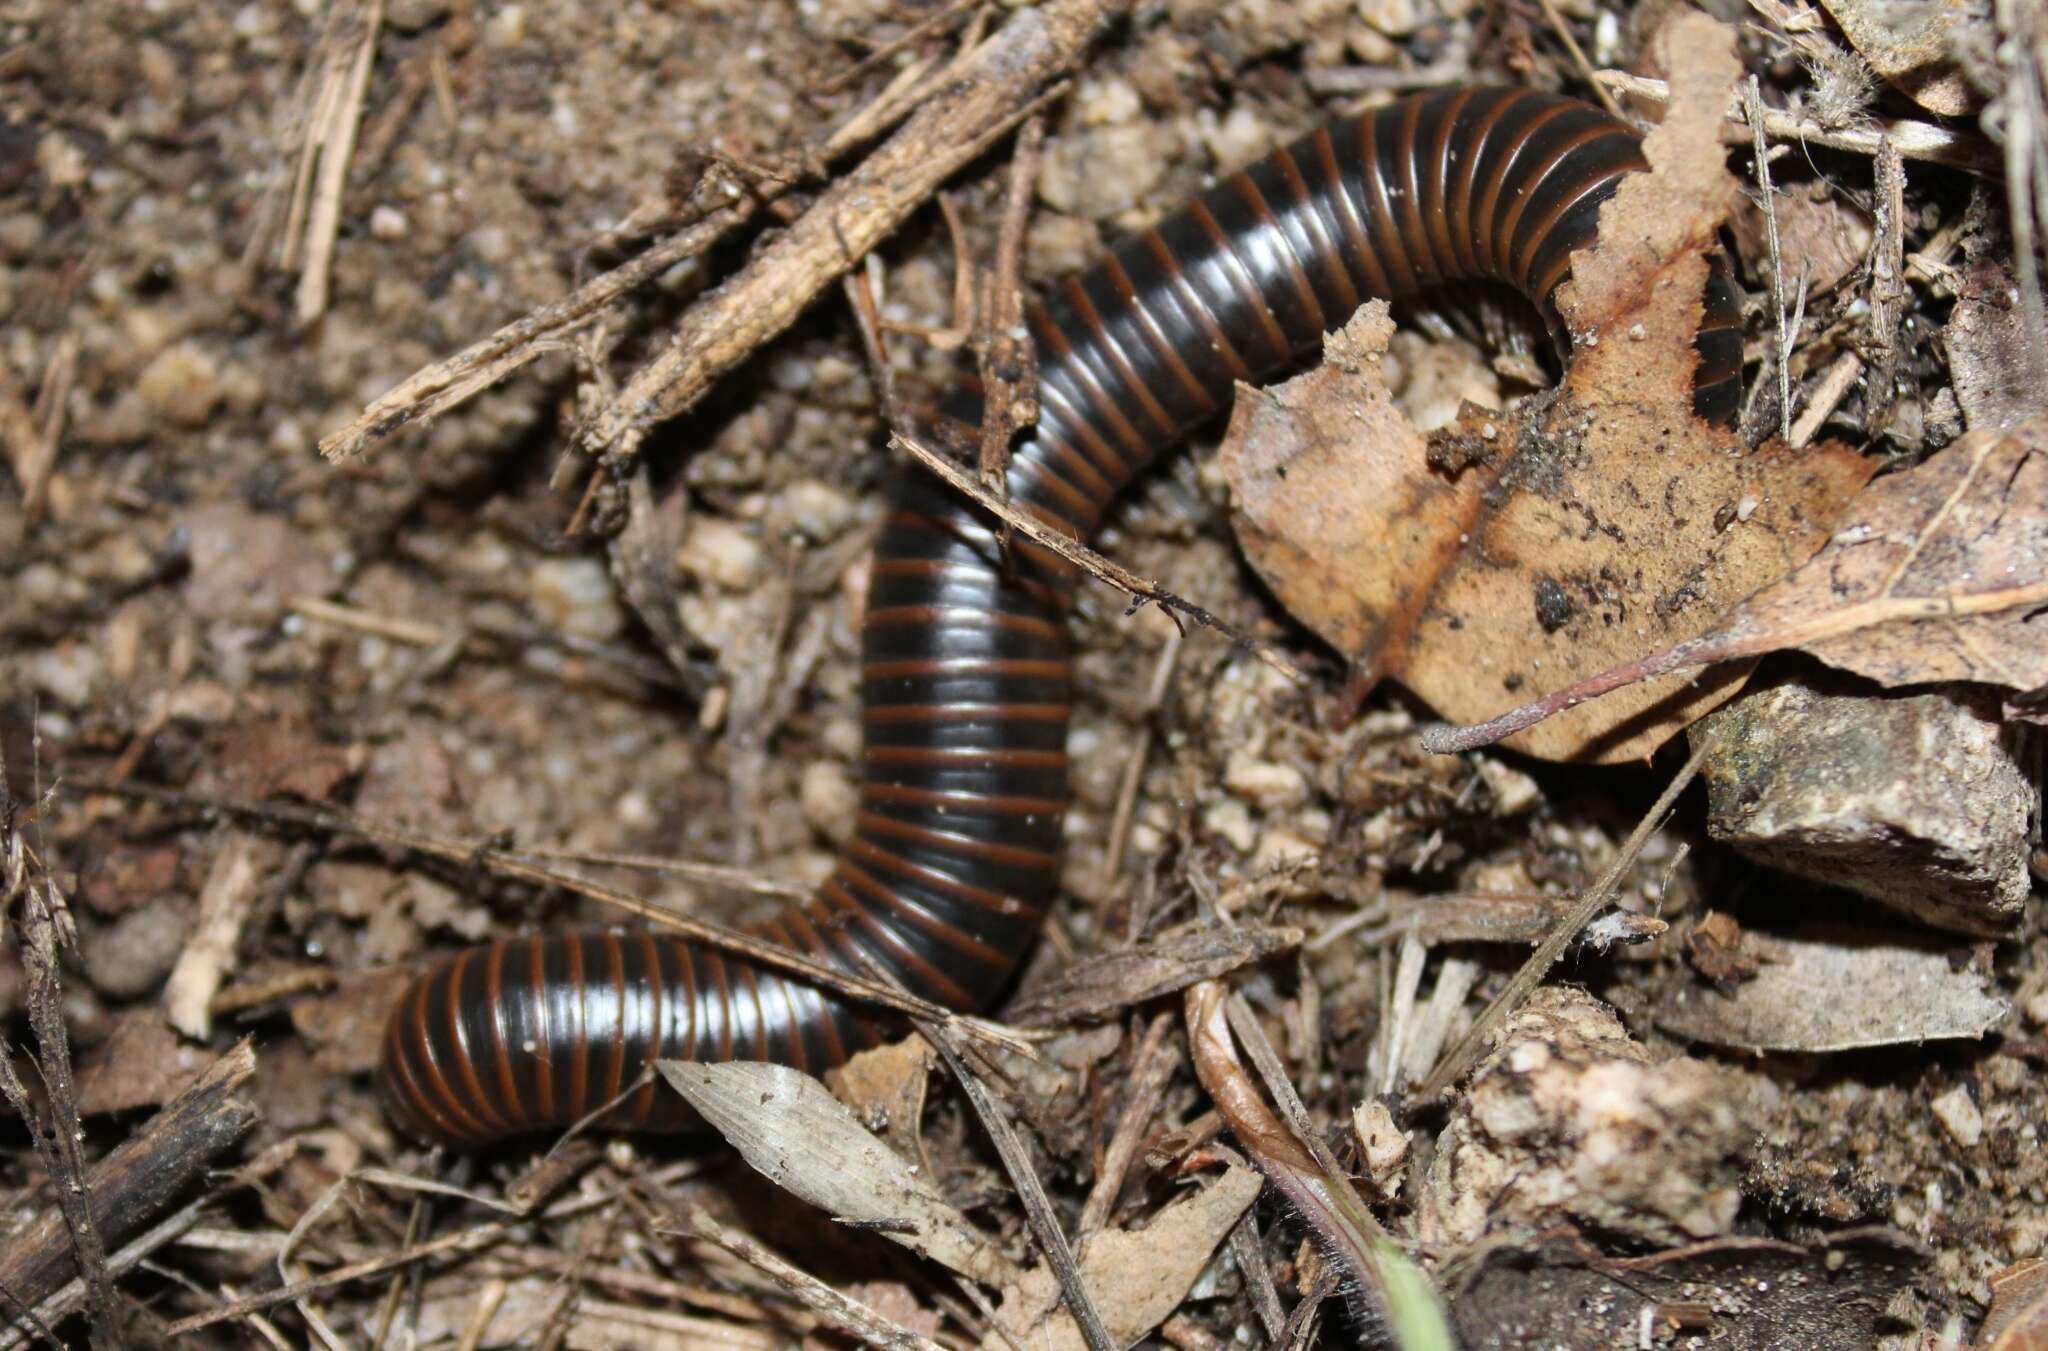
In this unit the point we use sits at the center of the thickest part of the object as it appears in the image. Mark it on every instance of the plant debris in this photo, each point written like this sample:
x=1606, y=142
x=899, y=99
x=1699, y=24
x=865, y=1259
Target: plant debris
x=1558, y=542
x=1938, y=573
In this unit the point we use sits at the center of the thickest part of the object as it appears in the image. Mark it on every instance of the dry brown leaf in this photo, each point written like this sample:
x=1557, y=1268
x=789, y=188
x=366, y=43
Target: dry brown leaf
x=791, y=1129
x=2018, y=1319
x=885, y=1086
x=1136, y=1278
x=1939, y=574
x=1942, y=574
x=1501, y=557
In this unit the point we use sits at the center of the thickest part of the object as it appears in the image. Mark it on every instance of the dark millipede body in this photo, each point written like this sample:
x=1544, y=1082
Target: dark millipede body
x=966, y=671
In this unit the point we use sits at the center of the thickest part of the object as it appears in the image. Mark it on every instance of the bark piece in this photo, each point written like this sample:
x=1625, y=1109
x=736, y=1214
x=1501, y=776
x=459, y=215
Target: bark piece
x=1916, y=801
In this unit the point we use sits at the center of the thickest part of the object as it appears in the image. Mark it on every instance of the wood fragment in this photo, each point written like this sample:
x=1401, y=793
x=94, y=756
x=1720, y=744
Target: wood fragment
x=1150, y=1068
x=71, y=1297
x=1888, y=292
x=1008, y=359
x=997, y=87
x=1752, y=111
x=132, y=1185
x=230, y=892
x=347, y=49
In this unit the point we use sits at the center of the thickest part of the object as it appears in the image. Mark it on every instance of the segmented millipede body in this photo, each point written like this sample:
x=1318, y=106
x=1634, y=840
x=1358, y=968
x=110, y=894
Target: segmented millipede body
x=966, y=674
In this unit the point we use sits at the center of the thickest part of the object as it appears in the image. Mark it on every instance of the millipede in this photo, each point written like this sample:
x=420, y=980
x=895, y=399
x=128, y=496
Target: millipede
x=966, y=673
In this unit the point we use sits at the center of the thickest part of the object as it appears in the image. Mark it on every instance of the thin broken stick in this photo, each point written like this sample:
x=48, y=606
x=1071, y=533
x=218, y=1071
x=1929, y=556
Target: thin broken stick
x=510, y=864
x=998, y=86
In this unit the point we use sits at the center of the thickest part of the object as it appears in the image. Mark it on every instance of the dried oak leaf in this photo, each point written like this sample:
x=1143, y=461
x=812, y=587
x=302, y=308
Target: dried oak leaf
x=1942, y=573
x=1510, y=553
x=1939, y=574
x=2018, y=1318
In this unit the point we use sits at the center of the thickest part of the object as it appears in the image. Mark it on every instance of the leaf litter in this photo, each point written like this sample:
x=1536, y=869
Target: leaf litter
x=1512, y=552
x=1938, y=573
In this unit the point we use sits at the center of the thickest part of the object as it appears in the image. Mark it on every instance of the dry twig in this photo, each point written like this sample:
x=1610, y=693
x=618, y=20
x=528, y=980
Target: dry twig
x=510, y=864
x=993, y=89
x=1081, y=556
x=132, y=1184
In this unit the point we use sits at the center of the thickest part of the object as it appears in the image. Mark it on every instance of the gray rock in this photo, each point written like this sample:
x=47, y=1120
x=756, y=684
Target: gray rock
x=1917, y=801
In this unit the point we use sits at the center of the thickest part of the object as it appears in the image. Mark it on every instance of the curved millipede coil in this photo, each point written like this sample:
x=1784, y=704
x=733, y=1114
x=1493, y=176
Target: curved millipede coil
x=966, y=675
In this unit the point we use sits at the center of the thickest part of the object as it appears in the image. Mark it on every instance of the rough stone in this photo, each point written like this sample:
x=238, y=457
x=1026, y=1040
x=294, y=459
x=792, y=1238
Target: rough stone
x=1916, y=801
x=1569, y=1119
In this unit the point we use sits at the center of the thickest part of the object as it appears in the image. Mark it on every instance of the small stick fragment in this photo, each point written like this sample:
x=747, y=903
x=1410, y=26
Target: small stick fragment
x=69, y=1299
x=1834, y=386
x=1008, y=360
x=1150, y=1069
x=1044, y=1220
x=346, y=52
x=232, y=886
x=1258, y=1279
x=1888, y=293
x=1753, y=112
x=144, y=1173
x=1559, y=26
x=997, y=87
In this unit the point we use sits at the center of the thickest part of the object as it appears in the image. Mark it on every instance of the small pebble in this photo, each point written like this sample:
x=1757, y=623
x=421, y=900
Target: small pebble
x=818, y=509
x=1231, y=820
x=575, y=596
x=722, y=551
x=506, y=27
x=183, y=384
x=1264, y=782
x=829, y=798
x=1957, y=1112
x=1394, y=18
